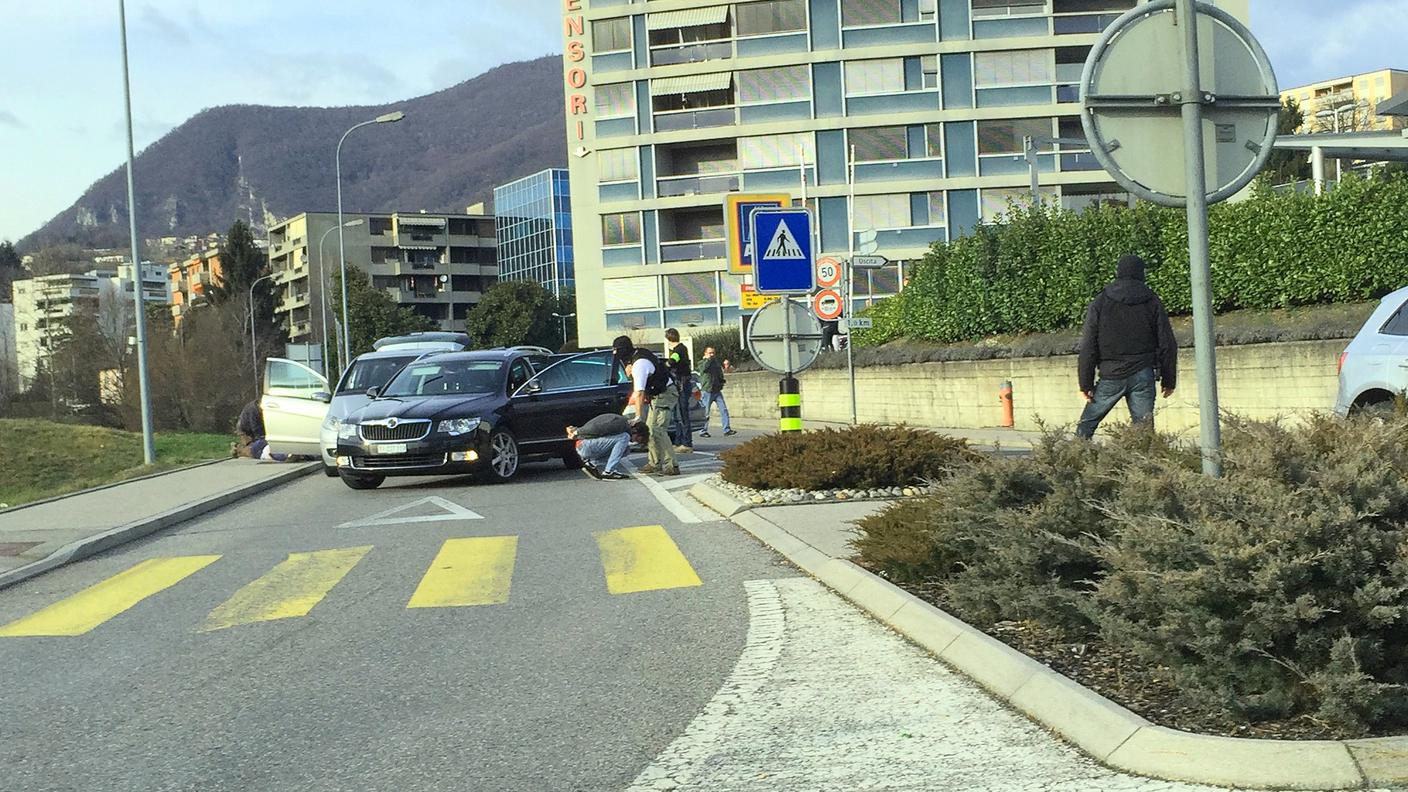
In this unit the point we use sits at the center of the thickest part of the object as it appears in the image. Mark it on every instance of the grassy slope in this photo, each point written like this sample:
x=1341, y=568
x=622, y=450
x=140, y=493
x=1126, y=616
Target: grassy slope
x=39, y=459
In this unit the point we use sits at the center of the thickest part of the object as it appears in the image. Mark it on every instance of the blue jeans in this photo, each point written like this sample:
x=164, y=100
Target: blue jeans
x=605, y=453
x=710, y=399
x=1137, y=390
x=681, y=429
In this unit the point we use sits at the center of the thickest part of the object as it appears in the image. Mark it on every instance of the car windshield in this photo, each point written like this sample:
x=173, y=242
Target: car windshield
x=441, y=377
x=372, y=373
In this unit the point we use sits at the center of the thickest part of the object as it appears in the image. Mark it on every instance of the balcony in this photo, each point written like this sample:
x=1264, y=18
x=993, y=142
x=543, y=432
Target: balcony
x=293, y=301
x=705, y=118
x=705, y=184
x=692, y=250
x=1079, y=24
x=691, y=53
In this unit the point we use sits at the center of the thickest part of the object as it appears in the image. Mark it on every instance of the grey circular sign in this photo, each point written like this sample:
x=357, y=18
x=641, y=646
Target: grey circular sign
x=1132, y=93
x=765, y=337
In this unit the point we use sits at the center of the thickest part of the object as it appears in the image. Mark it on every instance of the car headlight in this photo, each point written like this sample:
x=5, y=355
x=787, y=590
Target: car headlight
x=346, y=431
x=332, y=422
x=459, y=426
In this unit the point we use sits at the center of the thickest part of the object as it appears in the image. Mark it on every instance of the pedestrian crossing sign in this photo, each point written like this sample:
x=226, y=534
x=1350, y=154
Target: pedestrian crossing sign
x=784, y=242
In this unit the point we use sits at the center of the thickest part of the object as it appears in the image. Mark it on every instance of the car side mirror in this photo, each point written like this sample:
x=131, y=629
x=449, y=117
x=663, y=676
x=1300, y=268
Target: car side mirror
x=372, y=393
x=323, y=396
x=533, y=386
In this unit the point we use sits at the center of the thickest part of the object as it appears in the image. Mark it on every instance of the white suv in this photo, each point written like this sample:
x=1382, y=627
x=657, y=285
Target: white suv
x=1374, y=367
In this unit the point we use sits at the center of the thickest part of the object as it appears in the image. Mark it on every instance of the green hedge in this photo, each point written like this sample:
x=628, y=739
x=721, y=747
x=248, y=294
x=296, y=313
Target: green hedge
x=1037, y=270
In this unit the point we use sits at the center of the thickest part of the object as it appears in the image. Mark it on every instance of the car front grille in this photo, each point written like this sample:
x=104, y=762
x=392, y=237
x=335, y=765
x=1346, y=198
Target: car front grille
x=403, y=430
x=395, y=461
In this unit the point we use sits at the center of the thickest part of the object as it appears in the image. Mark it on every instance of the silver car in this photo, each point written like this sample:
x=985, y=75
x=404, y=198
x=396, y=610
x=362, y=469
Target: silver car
x=1374, y=367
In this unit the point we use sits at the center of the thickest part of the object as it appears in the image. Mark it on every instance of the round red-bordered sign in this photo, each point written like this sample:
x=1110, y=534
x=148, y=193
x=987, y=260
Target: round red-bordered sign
x=827, y=305
x=828, y=272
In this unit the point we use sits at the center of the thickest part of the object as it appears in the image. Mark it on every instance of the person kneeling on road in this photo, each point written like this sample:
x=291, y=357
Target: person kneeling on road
x=602, y=444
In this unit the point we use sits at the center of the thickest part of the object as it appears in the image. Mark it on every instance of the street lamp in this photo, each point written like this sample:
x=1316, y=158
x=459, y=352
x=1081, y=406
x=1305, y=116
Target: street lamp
x=564, y=318
x=139, y=282
x=253, y=343
x=388, y=118
x=1335, y=113
x=323, y=292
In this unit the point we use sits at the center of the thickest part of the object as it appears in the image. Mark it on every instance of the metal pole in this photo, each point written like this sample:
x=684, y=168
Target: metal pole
x=148, y=441
x=1198, y=258
x=323, y=298
x=342, y=255
x=1033, y=171
x=1317, y=169
x=789, y=398
x=849, y=307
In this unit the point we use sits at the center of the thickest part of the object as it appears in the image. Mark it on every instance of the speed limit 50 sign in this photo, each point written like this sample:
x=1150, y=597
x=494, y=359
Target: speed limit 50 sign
x=827, y=305
x=828, y=272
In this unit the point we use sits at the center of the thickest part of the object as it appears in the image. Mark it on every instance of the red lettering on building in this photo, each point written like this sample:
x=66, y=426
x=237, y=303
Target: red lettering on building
x=574, y=28
x=576, y=51
x=576, y=78
x=577, y=104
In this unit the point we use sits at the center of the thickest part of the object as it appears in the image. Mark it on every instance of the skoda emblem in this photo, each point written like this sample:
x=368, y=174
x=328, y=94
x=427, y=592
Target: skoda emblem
x=391, y=423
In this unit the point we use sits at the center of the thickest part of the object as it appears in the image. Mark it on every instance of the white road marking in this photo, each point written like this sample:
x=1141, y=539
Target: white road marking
x=681, y=512
x=824, y=698
x=452, y=511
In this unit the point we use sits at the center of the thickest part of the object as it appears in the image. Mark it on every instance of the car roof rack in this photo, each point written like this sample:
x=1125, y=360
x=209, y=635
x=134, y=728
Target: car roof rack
x=430, y=337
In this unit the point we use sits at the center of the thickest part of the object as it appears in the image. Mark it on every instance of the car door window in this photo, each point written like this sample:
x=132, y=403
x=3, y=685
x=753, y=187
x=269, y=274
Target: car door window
x=519, y=375
x=1397, y=324
x=291, y=379
x=591, y=370
x=372, y=373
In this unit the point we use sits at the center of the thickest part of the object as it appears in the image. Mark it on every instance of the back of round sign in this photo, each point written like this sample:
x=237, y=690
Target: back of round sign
x=1132, y=92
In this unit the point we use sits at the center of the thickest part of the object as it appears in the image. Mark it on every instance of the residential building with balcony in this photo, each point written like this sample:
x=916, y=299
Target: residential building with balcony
x=192, y=280
x=438, y=265
x=43, y=305
x=674, y=104
x=1350, y=104
x=533, y=222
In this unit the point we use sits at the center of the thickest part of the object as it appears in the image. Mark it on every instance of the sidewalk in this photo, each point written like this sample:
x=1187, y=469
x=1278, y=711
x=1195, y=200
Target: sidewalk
x=36, y=538
x=816, y=537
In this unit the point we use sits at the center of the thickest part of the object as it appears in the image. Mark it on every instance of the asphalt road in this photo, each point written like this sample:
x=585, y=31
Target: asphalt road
x=270, y=646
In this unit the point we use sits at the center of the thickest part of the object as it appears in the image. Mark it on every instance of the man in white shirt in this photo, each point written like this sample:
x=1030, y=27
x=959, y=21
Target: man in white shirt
x=651, y=388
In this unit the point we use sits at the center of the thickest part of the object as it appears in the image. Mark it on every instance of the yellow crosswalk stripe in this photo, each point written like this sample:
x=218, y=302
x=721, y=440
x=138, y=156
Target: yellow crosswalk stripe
x=96, y=604
x=470, y=571
x=287, y=591
x=643, y=558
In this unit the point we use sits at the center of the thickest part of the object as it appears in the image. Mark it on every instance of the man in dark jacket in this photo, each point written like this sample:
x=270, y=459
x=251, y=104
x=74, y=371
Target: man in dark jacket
x=603, y=441
x=1127, y=336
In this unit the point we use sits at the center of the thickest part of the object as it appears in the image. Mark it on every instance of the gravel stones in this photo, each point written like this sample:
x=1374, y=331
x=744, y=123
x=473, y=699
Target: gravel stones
x=782, y=497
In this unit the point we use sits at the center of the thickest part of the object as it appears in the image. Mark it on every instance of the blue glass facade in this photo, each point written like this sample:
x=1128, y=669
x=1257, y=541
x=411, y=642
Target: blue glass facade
x=534, y=230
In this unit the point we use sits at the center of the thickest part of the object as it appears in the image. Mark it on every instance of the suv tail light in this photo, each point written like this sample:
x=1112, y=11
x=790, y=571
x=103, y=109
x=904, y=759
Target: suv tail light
x=1340, y=367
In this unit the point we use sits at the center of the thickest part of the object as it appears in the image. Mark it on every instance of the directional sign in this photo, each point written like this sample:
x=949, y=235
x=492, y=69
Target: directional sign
x=859, y=323
x=1132, y=92
x=869, y=262
x=828, y=272
x=783, y=242
x=827, y=305
x=737, y=209
x=773, y=348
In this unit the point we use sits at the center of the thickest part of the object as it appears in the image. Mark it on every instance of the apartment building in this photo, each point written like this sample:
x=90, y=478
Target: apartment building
x=533, y=220
x=439, y=265
x=1350, y=104
x=192, y=280
x=43, y=304
x=674, y=104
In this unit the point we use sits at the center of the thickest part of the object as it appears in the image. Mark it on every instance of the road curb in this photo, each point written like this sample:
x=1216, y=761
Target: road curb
x=122, y=534
x=1103, y=729
x=718, y=500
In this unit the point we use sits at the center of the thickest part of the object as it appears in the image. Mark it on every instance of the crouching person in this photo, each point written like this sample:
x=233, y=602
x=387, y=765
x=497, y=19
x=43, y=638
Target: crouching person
x=603, y=442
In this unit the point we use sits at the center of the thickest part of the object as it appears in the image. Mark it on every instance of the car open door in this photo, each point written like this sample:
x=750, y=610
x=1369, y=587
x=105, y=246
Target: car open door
x=568, y=393
x=295, y=403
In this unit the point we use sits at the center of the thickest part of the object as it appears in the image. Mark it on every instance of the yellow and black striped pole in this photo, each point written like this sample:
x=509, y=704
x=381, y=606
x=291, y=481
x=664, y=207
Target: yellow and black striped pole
x=789, y=404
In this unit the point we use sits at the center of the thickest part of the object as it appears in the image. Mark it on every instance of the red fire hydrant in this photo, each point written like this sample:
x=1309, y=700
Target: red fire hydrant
x=1004, y=395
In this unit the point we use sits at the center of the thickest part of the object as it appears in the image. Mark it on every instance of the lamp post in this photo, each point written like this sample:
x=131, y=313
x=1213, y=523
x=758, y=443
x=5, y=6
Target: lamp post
x=253, y=343
x=1334, y=112
x=148, y=440
x=564, y=318
x=322, y=290
x=388, y=118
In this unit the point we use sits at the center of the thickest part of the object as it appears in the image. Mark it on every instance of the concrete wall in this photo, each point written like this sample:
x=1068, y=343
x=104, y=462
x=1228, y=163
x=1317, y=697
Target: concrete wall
x=1255, y=381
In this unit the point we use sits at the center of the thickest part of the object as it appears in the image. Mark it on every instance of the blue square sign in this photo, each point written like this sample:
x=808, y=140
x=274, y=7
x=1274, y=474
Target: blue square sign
x=782, y=251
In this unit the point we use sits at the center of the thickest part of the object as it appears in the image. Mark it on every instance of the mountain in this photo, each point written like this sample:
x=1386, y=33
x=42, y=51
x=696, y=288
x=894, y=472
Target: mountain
x=266, y=163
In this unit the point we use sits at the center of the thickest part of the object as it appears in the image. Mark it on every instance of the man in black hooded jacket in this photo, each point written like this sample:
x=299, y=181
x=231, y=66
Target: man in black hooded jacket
x=1128, y=337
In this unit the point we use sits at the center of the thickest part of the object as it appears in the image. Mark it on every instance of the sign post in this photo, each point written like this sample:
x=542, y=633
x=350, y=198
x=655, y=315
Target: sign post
x=1182, y=75
x=783, y=264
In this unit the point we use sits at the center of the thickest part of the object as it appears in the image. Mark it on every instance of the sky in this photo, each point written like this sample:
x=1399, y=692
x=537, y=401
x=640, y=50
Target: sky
x=61, y=112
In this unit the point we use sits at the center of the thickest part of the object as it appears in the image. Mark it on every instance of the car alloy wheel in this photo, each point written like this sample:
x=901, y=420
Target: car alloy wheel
x=503, y=455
